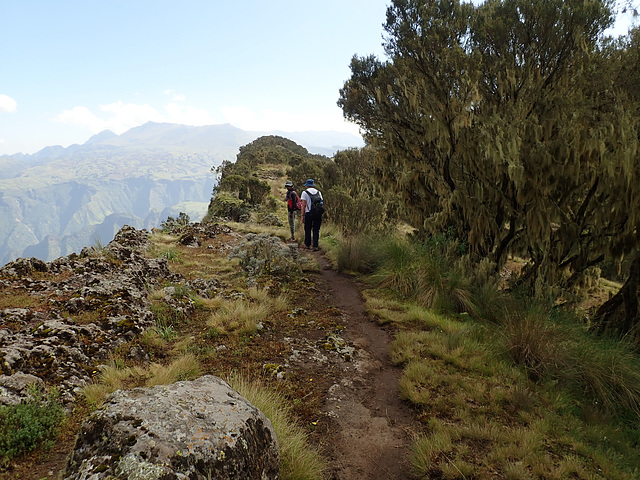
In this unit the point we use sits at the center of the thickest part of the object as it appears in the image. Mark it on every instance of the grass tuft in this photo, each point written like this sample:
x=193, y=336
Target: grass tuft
x=299, y=459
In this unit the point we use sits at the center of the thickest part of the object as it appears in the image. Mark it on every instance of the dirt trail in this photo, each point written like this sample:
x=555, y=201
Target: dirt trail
x=367, y=426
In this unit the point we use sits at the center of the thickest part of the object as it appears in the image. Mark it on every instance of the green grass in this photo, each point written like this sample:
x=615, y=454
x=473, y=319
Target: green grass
x=504, y=388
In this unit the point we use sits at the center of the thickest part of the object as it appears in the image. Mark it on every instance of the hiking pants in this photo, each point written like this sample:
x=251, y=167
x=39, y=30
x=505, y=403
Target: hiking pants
x=312, y=225
x=292, y=222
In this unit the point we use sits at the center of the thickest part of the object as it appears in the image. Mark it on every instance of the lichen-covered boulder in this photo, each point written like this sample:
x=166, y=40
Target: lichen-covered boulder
x=197, y=430
x=13, y=387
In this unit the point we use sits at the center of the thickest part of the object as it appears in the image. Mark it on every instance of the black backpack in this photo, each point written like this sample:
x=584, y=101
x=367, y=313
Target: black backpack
x=317, y=204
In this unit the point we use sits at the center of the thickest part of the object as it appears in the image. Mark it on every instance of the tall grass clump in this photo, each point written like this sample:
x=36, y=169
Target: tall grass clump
x=32, y=423
x=357, y=254
x=608, y=372
x=551, y=344
x=243, y=316
x=116, y=376
x=299, y=459
x=532, y=340
x=424, y=272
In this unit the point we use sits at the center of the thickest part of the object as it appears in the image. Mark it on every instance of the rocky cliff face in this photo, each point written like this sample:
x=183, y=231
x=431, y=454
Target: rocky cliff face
x=60, y=320
x=55, y=220
x=47, y=216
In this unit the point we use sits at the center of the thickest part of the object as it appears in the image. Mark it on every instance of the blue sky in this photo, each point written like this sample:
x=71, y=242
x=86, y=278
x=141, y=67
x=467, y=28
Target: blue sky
x=70, y=69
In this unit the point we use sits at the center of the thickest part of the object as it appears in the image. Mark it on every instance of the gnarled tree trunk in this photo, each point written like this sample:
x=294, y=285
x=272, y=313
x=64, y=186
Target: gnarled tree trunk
x=619, y=314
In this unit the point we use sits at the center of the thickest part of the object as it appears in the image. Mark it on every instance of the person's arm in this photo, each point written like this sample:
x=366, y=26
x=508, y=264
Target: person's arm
x=304, y=209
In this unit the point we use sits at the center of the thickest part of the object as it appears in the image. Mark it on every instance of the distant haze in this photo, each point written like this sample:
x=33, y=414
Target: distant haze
x=59, y=200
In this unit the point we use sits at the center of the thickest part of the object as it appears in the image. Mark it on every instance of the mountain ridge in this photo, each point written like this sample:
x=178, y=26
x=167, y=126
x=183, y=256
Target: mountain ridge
x=60, y=199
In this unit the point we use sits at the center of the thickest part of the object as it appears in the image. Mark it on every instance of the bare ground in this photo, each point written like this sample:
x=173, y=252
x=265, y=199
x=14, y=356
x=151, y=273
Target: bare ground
x=366, y=426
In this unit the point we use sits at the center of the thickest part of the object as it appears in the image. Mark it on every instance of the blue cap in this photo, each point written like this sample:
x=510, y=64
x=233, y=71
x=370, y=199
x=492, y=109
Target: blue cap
x=309, y=183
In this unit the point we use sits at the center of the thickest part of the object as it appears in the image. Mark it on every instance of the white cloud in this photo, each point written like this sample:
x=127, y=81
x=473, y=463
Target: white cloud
x=176, y=97
x=121, y=117
x=7, y=104
x=129, y=115
x=82, y=117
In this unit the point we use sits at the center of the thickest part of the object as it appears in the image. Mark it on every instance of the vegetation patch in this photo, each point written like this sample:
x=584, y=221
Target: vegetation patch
x=30, y=424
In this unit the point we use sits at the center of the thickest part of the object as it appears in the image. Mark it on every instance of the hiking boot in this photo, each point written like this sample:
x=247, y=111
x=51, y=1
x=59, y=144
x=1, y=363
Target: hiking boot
x=315, y=249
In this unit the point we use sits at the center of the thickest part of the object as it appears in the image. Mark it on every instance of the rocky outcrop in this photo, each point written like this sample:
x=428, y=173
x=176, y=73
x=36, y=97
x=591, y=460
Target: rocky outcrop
x=67, y=317
x=195, y=430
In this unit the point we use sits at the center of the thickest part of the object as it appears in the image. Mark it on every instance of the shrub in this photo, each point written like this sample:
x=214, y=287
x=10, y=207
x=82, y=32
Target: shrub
x=354, y=215
x=227, y=206
x=30, y=424
x=171, y=224
x=271, y=219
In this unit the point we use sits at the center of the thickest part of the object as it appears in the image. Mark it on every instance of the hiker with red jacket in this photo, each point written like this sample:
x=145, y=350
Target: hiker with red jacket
x=293, y=205
x=312, y=210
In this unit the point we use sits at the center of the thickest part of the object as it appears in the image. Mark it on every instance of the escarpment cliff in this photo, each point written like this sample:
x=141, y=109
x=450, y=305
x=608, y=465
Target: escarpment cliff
x=61, y=319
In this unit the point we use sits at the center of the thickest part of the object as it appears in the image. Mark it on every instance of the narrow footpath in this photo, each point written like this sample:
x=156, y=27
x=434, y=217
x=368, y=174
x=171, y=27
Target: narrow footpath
x=367, y=427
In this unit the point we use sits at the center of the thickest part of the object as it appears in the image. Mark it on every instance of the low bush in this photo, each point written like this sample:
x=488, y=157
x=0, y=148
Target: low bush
x=33, y=423
x=171, y=225
x=229, y=207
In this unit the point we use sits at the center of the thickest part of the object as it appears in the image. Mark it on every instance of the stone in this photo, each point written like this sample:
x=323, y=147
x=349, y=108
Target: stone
x=13, y=388
x=196, y=430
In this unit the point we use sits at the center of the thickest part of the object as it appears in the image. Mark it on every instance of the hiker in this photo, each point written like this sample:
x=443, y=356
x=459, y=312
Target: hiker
x=293, y=204
x=312, y=210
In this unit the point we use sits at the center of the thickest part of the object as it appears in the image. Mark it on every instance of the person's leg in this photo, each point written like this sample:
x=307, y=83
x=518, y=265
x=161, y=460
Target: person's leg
x=307, y=229
x=292, y=223
x=316, y=230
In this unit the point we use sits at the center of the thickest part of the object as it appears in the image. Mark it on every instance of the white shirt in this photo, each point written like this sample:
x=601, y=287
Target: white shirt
x=305, y=196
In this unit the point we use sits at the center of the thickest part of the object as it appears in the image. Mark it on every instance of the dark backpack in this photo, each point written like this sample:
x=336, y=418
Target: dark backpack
x=317, y=204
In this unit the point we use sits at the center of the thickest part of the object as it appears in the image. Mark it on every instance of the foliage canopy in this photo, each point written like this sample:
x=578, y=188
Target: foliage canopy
x=515, y=123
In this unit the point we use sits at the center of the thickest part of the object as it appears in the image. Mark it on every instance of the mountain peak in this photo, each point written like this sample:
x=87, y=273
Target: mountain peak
x=100, y=137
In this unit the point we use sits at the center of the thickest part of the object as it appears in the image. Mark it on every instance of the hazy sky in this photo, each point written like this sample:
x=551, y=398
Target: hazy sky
x=70, y=69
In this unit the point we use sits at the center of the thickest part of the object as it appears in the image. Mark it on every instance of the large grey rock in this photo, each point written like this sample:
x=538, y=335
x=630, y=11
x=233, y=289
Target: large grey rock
x=13, y=387
x=195, y=430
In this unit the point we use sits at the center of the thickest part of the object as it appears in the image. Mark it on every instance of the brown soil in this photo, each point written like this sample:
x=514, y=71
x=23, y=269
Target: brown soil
x=351, y=405
x=366, y=425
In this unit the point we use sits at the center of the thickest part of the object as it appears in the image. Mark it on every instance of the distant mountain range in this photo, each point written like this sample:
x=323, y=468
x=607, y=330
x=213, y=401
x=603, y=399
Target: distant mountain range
x=59, y=200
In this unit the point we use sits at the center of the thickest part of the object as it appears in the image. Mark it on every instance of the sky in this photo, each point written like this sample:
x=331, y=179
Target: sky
x=70, y=69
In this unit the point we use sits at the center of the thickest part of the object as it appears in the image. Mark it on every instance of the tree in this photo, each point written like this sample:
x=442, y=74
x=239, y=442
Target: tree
x=357, y=202
x=502, y=121
x=620, y=315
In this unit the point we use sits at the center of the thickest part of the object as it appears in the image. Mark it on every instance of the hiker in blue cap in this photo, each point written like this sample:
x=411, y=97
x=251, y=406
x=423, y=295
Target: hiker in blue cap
x=312, y=210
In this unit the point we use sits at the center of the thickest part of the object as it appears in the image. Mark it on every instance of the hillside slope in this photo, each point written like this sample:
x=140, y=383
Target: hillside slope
x=59, y=200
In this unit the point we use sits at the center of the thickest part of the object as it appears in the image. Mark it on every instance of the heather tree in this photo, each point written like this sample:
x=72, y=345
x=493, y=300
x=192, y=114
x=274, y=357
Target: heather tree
x=511, y=123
